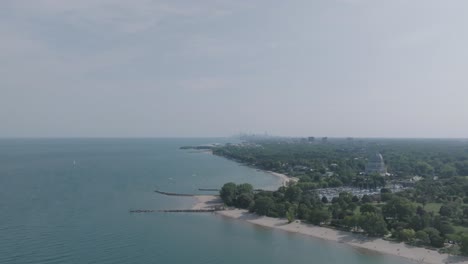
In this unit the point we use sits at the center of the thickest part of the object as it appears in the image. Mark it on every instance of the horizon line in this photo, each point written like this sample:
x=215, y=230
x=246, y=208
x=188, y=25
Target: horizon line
x=211, y=137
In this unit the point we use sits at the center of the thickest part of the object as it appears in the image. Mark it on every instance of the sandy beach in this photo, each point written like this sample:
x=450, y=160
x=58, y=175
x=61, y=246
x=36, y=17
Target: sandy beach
x=206, y=202
x=416, y=254
x=284, y=178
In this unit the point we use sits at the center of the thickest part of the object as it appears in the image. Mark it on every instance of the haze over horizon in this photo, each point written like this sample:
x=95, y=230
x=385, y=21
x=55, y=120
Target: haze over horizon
x=336, y=68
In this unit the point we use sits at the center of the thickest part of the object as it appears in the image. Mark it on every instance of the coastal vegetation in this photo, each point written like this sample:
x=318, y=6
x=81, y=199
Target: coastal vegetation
x=433, y=212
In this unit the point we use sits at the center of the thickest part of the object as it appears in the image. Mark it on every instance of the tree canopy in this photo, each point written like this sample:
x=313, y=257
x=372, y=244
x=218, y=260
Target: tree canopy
x=433, y=211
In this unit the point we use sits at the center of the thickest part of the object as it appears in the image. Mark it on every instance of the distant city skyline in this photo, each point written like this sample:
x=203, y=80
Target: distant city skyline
x=335, y=68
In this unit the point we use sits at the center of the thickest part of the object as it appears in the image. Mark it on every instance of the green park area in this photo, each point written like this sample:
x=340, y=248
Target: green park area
x=430, y=209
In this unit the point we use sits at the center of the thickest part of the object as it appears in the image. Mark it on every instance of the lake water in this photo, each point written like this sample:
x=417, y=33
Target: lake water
x=67, y=201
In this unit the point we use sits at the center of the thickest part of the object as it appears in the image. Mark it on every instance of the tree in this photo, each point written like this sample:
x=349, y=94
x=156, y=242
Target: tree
x=355, y=199
x=346, y=197
x=437, y=241
x=446, y=228
x=406, y=234
x=334, y=200
x=290, y=215
x=336, y=211
x=293, y=194
x=419, y=222
x=462, y=167
x=303, y=211
x=367, y=208
x=445, y=210
x=373, y=224
x=423, y=237
x=324, y=199
x=244, y=188
x=311, y=199
x=400, y=209
x=448, y=209
x=464, y=246
x=423, y=168
x=351, y=207
x=263, y=205
x=351, y=221
x=386, y=196
x=244, y=200
x=434, y=236
x=366, y=199
x=318, y=216
x=385, y=190
x=228, y=193
x=448, y=170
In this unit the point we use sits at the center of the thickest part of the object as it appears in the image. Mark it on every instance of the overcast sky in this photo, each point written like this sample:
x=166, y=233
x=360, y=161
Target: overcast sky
x=142, y=68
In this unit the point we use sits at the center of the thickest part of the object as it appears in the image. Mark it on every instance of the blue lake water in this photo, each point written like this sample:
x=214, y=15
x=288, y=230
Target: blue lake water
x=67, y=201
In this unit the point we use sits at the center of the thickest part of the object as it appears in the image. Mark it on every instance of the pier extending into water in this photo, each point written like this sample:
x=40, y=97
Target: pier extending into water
x=181, y=194
x=174, y=194
x=176, y=211
x=211, y=209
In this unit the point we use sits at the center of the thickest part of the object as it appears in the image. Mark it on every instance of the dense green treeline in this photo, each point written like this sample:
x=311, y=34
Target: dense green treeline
x=399, y=215
x=433, y=213
x=339, y=162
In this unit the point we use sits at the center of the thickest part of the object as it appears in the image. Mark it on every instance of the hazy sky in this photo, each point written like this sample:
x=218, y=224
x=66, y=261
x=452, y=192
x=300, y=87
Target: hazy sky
x=134, y=68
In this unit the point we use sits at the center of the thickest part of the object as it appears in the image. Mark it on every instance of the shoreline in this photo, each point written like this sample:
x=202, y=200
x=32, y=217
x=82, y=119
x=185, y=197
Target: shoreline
x=357, y=241
x=285, y=179
x=398, y=249
x=206, y=201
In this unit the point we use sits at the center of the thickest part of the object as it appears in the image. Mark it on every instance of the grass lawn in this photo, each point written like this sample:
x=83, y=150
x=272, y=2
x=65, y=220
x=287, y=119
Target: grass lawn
x=459, y=229
x=430, y=207
x=357, y=211
x=433, y=207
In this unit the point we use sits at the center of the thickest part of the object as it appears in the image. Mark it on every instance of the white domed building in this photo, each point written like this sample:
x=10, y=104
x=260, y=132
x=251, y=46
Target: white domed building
x=375, y=164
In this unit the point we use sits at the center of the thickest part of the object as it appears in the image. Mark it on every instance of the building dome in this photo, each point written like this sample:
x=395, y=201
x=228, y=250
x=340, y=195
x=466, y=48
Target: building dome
x=376, y=158
x=376, y=164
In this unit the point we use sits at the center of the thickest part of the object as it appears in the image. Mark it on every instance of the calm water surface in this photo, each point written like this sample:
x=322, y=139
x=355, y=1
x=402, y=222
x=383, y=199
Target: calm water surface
x=67, y=201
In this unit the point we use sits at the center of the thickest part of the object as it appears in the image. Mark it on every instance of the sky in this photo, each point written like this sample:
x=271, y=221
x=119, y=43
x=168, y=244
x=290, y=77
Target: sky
x=205, y=68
